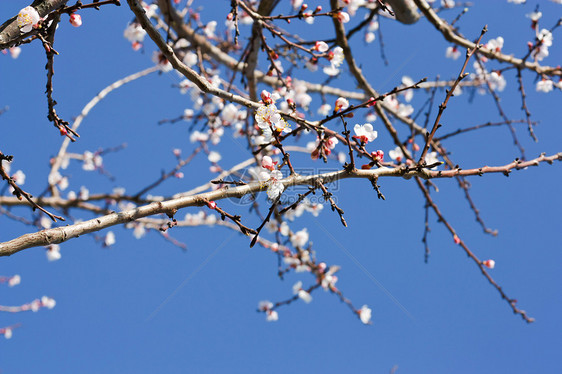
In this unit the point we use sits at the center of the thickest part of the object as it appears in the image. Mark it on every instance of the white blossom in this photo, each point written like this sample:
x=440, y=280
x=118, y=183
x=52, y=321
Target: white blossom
x=214, y=157
x=329, y=281
x=336, y=59
x=27, y=19
x=275, y=189
x=84, y=193
x=150, y=9
x=134, y=33
x=48, y=302
x=298, y=290
x=300, y=238
x=431, y=158
x=6, y=166
x=19, y=177
x=210, y=29
x=545, y=85
x=341, y=104
x=497, y=81
x=324, y=109
x=321, y=46
x=296, y=4
x=396, y=154
x=452, y=52
x=161, y=61
x=343, y=17
x=182, y=43
x=406, y=82
x=45, y=222
x=139, y=231
x=314, y=209
x=197, y=136
x=534, y=16
x=15, y=52
x=365, y=132
x=271, y=316
x=267, y=116
x=365, y=314
x=545, y=36
x=14, y=281
x=190, y=59
x=109, y=239
x=284, y=228
x=53, y=252
x=331, y=70
x=495, y=45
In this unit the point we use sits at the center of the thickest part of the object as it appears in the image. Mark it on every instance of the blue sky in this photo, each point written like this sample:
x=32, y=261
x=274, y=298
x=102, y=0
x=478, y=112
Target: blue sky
x=146, y=306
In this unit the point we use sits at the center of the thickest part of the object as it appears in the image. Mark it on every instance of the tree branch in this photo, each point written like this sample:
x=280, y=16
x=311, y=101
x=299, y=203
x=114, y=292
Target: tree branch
x=62, y=234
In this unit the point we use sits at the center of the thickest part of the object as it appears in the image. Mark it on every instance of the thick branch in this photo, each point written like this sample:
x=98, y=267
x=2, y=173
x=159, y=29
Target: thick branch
x=62, y=234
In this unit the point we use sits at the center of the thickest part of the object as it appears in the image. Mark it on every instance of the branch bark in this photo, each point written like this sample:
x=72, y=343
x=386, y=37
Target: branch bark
x=61, y=234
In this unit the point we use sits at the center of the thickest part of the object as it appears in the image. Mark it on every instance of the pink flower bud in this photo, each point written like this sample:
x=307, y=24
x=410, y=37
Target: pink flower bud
x=212, y=205
x=341, y=104
x=489, y=264
x=289, y=81
x=266, y=97
x=268, y=163
x=75, y=20
x=456, y=239
x=378, y=155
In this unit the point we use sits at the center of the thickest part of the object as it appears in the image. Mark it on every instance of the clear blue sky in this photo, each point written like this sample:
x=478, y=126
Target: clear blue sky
x=145, y=306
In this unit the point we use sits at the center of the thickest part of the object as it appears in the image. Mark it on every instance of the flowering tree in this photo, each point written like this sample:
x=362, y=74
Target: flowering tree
x=307, y=109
